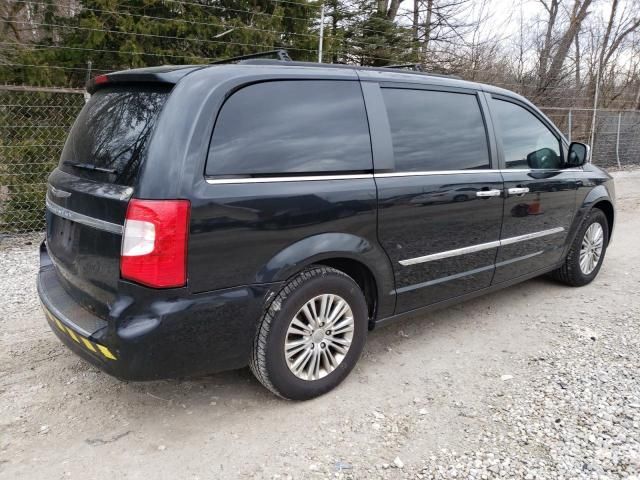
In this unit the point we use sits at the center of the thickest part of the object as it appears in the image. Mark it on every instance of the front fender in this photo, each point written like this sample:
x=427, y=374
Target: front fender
x=596, y=194
x=325, y=246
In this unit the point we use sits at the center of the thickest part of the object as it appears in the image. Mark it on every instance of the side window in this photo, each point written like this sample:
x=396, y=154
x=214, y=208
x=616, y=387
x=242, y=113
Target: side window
x=433, y=130
x=286, y=127
x=526, y=141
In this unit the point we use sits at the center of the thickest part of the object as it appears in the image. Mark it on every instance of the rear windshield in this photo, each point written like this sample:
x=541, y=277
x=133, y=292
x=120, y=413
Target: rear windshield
x=108, y=141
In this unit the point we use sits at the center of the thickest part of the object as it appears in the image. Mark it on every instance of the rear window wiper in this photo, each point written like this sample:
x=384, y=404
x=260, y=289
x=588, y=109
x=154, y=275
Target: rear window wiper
x=92, y=167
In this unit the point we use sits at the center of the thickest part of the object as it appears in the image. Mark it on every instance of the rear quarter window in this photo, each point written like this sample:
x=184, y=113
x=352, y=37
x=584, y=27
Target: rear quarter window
x=112, y=133
x=290, y=127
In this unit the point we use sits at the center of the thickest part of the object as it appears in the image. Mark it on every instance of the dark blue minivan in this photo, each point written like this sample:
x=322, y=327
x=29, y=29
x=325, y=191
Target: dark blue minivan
x=270, y=213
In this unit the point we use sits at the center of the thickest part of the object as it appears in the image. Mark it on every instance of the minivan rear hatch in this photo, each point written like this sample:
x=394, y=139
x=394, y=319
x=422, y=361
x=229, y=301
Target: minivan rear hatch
x=88, y=193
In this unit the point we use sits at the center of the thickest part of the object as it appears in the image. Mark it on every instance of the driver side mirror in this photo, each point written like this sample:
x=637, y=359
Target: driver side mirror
x=578, y=154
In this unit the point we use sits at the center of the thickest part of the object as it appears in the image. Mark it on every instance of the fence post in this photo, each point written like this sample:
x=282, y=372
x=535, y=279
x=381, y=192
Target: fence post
x=570, y=124
x=592, y=138
x=86, y=94
x=618, y=140
x=321, y=34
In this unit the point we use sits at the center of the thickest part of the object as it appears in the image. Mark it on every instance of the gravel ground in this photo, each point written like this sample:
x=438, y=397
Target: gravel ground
x=536, y=381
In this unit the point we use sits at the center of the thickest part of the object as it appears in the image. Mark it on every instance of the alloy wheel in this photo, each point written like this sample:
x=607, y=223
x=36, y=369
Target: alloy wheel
x=591, y=249
x=319, y=337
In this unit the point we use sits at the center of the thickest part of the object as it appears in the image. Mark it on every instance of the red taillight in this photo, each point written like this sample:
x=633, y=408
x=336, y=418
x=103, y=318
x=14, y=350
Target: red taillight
x=101, y=79
x=154, y=243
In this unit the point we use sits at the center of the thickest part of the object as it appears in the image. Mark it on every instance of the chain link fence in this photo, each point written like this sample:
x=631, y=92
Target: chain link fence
x=34, y=123
x=33, y=127
x=614, y=135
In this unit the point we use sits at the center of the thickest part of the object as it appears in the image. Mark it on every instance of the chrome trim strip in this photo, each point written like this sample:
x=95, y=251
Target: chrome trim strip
x=302, y=178
x=458, y=172
x=450, y=253
x=517, y=259
x=541, y=170
x=84, y=219
x=438, y=172
x=530, y=236
x=456, y=276
x=310, y=178
x=436, y=281
x=479, y=247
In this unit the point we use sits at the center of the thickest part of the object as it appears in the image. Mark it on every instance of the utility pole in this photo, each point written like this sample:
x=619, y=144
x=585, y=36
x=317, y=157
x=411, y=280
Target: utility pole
x=321, y=34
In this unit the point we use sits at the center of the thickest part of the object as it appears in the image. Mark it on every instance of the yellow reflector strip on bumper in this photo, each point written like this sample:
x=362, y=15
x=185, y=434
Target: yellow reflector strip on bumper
x=105, y=351
x=88, y=344
x=76, y=337
x=73, y=335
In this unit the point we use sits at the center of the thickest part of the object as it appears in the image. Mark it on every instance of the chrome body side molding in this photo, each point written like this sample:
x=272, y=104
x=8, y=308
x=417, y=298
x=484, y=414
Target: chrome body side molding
x=479, y=247
x=436, y=281
x=450, y=253
x=530, y=236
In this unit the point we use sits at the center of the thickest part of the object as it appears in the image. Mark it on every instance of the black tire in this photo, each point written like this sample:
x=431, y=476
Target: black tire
x=268, y=362
x=570, y=272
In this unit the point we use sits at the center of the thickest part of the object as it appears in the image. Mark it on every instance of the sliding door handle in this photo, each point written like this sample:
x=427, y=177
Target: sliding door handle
x=518, y=190
x=488, y=193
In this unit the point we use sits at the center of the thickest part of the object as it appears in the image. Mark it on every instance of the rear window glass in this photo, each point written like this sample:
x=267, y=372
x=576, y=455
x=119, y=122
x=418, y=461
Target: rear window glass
x=112, y=132
x=288, y=127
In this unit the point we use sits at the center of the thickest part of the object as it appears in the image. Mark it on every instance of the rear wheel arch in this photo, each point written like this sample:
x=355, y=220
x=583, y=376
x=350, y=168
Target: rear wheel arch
x=362, y=260
x=362, y=275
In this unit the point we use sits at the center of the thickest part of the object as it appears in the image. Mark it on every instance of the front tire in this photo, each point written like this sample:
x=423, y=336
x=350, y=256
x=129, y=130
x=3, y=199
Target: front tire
x=587, y=251
x=311, y=335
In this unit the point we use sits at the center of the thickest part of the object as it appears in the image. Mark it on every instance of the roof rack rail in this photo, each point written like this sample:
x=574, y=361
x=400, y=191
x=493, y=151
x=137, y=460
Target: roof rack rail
x=406, y=66
x=292, y=63
x=281, y=54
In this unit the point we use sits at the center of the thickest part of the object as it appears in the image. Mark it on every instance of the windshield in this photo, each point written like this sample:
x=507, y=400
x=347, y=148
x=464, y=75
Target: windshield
x=109, y=139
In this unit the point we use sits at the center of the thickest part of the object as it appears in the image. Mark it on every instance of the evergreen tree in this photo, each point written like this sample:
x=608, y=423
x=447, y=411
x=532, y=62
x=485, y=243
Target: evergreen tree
x=116, y=35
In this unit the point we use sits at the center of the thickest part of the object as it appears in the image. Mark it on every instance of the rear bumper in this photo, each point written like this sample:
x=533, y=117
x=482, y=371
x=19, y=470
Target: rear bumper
x=153, y=334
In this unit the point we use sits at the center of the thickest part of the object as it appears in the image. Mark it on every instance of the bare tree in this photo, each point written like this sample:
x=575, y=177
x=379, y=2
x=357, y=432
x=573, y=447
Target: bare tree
x=555, y=49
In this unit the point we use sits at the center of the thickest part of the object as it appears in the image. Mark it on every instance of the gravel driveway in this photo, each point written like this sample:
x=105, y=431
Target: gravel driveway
x=536, y=381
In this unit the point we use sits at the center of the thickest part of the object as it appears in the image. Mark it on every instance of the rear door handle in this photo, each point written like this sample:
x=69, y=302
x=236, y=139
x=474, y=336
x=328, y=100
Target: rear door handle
x=518, y=190
x=488, y=193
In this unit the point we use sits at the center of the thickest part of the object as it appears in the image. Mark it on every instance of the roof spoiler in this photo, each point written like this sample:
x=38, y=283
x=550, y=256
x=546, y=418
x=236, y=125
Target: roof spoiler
x=166, y=75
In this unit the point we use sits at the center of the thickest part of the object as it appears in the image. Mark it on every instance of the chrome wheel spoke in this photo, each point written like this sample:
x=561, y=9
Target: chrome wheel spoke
x=344, y=326
x=298, y=328
x=294, y=346
x=331, y=359
x=314, y=311
x=308, y=315
x=338, y=348
x=315, y=371
x=319, y=337
x=583, y=264
x=340, y=341
x=302, y=360
x=337, y=313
